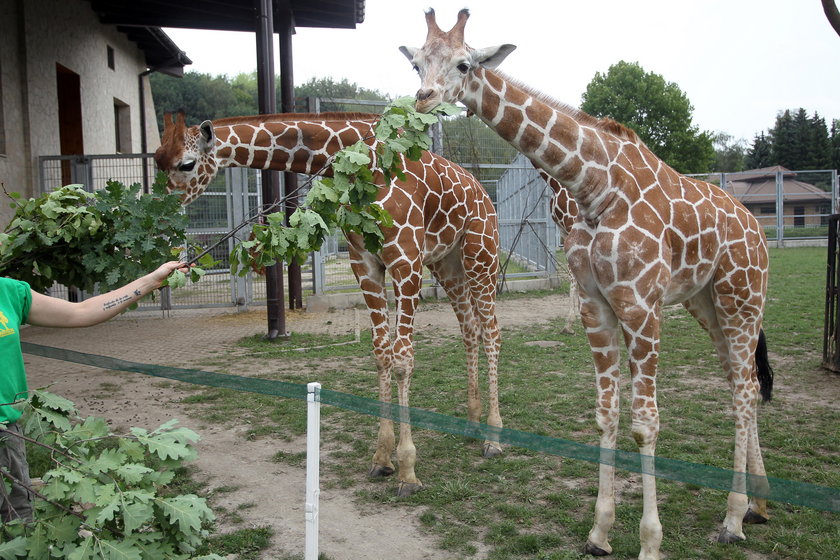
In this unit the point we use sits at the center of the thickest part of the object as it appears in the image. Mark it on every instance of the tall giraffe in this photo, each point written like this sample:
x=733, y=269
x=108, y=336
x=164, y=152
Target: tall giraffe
x=646, y=236
x=443, y=219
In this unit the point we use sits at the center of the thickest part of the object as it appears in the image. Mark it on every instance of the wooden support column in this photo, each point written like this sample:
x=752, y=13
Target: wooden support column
x=270, y=179
x=285, y=30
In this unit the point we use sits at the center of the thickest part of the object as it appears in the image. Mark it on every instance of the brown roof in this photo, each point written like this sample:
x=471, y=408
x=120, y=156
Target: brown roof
x=758, y=186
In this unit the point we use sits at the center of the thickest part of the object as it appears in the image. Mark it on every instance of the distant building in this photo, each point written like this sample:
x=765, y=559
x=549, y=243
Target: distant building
x=805, y=205
x=72, y=85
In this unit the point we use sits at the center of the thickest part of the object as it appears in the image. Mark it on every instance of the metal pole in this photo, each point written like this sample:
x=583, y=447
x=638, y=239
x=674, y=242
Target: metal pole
x=313, y=467
x=780, y=209
x=287, y=105
x=271, y=179
x=143, y=140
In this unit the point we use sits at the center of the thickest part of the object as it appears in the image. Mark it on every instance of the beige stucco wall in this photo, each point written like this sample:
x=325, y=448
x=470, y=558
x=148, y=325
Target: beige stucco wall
x=13, y=163
x=35, y=35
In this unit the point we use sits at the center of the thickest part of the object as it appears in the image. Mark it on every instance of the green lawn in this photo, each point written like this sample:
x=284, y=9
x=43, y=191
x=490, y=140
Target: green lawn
x=528, y=505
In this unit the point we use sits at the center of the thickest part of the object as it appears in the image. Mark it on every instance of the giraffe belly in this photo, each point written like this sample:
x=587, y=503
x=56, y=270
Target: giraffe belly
x=686, y=283
x=434, y=251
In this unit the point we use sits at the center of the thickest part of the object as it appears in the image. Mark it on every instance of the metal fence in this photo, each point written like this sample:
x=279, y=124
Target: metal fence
x=789, y=205
x=527, y=232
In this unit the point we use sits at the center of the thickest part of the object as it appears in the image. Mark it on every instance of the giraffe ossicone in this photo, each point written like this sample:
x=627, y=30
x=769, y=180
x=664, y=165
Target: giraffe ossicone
x=646, y=236
x=442, y=218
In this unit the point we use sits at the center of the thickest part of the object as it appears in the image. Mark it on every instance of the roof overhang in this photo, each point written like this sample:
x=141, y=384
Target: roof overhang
x=141, y=21
x=228, y=16
x=162, y=54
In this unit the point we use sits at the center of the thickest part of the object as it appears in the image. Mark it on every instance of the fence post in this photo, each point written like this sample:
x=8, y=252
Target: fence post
x=319, y=271
x=313, y=467
x=780, y=209
x=236, y=189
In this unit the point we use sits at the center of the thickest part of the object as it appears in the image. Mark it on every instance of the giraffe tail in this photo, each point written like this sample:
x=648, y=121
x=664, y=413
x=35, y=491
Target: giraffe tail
x=763, y=369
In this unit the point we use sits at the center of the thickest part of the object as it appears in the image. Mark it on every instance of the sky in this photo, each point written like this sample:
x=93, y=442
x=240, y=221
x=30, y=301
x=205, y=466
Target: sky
x=739, y=62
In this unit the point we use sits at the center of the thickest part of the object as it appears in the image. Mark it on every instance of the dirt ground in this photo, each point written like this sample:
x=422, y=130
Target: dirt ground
x=273, y=493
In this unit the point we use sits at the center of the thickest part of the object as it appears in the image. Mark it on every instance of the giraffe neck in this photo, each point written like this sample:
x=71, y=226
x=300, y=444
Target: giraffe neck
x=292, y=143
x=568, y=144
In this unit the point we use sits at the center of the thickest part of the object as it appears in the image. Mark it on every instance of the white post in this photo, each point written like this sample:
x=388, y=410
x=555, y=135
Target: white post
x=313, y=467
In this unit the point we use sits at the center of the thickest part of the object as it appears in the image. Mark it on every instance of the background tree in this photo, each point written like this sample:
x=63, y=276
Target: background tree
x=834, y=159
x=657, y=110
x=760, y=153
x=329, y=89
x=206, y=97
x=729, y=153
x=800, y=142
x=201, y=96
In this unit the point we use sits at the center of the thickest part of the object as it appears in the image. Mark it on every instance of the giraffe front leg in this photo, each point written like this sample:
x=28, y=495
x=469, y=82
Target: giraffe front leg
x=641, y=335
x=407, y=280
x=382, y=465
x=601, y=330
x=406, y=451
x=646, y=432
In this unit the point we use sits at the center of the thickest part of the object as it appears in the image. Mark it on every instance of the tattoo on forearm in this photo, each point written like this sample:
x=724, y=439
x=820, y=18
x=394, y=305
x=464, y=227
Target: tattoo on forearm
x=115, y=302
x=138, y=293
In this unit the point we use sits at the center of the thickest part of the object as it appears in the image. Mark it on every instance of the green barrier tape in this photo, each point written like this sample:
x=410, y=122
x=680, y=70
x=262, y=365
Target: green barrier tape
x=776, y=489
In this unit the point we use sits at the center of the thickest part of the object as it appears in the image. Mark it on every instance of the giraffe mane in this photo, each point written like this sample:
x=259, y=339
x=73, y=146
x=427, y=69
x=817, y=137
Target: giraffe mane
x=607, y=125
x=331, y=116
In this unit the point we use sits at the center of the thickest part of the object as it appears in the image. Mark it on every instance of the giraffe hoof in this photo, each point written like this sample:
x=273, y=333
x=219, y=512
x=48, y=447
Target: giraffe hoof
x=727, y=537
x=406, y=489
x=491, y=451
x=754, y=518
x=594, y=550
x=378, y=471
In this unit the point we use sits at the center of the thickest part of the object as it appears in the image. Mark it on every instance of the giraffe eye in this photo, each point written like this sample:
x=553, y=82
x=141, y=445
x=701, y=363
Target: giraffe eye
x=187, y=166
x=463, y=68
x=416, y=68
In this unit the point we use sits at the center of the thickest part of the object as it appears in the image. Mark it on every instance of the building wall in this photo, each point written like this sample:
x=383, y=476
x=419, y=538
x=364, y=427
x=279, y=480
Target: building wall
x=814, y=213
x=14, y=168
x=37, y=35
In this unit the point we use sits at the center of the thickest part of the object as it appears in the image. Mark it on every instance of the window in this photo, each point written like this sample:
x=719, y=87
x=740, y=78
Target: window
x=110, y=57
x=798, y=216
x=122, y=127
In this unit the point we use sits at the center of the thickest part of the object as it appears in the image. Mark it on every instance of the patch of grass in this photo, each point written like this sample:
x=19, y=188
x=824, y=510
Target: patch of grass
x=247, y=544
x=529, y=505
x=292, y=459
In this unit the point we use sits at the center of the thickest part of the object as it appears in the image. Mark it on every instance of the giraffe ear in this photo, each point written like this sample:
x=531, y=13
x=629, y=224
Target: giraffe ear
x=491, y=57
x=207, y=136
x=409, y=52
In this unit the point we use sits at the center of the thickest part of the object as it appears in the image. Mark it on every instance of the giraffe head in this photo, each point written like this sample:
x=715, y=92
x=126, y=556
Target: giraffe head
x=187, y=155
x=445, y=62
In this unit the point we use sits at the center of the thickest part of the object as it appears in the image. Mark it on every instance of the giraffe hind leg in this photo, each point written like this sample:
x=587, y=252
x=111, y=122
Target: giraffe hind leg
x=738, y=363
x=471, y=293
x=370, y=274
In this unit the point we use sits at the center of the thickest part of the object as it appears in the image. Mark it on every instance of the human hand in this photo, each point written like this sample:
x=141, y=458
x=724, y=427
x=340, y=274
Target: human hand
x=167, y=268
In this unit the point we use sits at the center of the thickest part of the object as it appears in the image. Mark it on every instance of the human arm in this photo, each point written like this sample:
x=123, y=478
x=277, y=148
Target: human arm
x=47, y=311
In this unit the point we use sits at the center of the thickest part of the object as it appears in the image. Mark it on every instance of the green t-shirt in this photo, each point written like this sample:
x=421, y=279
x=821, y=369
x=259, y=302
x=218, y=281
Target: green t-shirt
x=15, y=299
